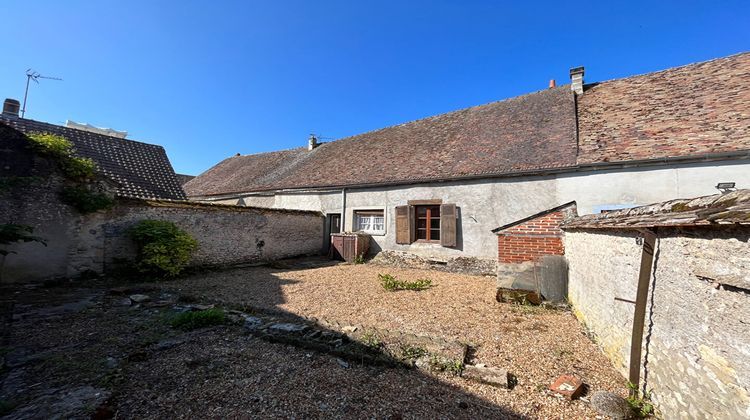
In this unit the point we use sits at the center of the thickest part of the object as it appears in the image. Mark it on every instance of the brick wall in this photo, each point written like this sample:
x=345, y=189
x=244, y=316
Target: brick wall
x=531, y=239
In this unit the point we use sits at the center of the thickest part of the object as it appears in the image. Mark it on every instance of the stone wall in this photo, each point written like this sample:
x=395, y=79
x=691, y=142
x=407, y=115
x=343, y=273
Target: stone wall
x=697, y=336
x=226, y=235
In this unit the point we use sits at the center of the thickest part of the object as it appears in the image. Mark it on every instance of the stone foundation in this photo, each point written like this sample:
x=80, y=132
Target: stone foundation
x=464, y=265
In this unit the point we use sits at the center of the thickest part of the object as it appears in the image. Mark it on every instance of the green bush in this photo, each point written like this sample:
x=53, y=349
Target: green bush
x=86, y=201
x=200, y=319
x=79, y=168
x=51, y=144
x=163, y=248
x=391, y=283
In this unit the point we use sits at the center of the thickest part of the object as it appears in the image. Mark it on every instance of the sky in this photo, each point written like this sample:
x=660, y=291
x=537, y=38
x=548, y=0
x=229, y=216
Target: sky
x=210, y=79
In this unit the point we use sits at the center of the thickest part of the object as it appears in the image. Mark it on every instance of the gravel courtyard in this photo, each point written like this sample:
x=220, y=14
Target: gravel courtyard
x=79, y=350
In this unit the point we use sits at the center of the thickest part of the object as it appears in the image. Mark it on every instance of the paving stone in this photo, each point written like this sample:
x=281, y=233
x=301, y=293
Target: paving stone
x=140, y=298
x=288, y=327
x=492, y=376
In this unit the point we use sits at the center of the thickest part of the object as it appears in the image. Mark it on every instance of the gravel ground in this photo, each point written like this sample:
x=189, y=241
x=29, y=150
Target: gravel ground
x=76, y=350
x=534, y=344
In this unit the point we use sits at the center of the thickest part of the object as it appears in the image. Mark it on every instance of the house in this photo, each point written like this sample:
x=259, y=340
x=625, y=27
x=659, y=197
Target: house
x=436, y=188
x=139, y=170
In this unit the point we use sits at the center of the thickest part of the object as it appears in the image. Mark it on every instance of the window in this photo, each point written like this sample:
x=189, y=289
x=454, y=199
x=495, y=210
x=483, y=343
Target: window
x=370, y=221
x=428, y=223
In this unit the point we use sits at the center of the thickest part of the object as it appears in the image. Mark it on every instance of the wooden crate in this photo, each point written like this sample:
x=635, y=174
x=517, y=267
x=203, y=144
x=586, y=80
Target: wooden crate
x=349, y=246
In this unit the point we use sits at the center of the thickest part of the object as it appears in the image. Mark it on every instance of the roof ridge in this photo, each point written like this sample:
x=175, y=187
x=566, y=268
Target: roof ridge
x=78, y=129
x=456, y=111
x=270, y=152
x=696, y=63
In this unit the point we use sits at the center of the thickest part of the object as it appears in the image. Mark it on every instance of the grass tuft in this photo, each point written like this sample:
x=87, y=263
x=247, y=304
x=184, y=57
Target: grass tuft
x=200, y=319
x=391, y=283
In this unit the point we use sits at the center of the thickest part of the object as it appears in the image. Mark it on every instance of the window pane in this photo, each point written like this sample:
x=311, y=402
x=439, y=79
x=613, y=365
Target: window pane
x=435, y=234
x=421, y=234
x=435, y=211
x=421, y=223
x=435, y=223
x=421, y=211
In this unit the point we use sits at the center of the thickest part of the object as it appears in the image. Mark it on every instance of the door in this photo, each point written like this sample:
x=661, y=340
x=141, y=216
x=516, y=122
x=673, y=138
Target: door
x=333, y=225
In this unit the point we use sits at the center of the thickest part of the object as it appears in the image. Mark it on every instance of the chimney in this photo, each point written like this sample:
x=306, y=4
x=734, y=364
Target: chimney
x=11, y=107
x=576, y=80
x=312, y=142
x=552, y=83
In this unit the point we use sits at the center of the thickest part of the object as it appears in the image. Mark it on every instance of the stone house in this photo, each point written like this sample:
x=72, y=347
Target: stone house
x=435, y=188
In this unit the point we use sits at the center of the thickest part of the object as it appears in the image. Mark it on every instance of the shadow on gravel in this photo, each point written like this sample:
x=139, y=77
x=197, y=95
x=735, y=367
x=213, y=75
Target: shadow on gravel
x=91, y=351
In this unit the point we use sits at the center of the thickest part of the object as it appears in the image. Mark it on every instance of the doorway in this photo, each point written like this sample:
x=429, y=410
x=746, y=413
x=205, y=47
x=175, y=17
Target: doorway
x=333, y=225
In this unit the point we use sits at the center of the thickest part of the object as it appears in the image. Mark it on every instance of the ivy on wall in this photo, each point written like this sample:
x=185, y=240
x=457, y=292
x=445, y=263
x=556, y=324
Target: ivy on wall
x=82, y=194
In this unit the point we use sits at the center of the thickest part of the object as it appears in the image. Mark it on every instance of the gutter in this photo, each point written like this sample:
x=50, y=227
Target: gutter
x=588, y=167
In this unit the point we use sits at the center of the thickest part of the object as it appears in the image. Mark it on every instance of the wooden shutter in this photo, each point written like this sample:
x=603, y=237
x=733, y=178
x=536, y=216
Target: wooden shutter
x=403, y=225
x=448, y=224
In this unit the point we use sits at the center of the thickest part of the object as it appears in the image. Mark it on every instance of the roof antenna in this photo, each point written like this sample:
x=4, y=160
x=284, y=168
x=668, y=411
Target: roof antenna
x=35, y=76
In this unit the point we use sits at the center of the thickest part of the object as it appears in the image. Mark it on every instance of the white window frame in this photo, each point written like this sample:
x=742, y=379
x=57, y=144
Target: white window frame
x=374, y=213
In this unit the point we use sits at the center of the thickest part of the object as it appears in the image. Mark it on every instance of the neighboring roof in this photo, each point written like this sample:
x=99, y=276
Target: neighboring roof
x=690, y=110
x=534, y=216
x=721, y=209
x=529, y=132
x=141, y=170
x=183, y=178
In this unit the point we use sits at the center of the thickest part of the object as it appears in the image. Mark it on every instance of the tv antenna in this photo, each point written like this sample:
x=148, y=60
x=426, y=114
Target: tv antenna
x=35, y=76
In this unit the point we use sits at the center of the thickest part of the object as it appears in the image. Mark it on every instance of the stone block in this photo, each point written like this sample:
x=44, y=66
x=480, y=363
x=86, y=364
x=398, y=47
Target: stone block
x=492, y=376
x=567, y=386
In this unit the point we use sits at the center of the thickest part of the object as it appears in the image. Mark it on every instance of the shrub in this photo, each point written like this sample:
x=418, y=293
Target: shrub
x=86, y=201
x=51, y=145
x=200, y=319
x=79, y=168
x=391, y=283
x=163, y=248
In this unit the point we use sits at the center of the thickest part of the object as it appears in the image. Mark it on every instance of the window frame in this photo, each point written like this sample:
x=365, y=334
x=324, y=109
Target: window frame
x=429, y=209
x=373, y=211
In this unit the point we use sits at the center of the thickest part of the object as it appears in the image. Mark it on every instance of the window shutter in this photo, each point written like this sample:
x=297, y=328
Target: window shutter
x=448, y=218
x=403, y=225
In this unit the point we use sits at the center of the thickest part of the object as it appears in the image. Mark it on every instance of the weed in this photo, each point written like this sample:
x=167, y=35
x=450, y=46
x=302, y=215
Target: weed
x=453, y=367
x=640, y=404
x=391, y=283
x=200, y=319
x=370, y=339
x=359, y=259
x=410, y=352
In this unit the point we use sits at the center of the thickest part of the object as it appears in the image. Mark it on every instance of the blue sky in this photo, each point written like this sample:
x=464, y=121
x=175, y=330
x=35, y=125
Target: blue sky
x=210, y=79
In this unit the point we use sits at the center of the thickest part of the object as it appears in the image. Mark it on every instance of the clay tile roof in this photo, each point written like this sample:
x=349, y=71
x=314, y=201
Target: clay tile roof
x=721, y=209
x=141, y=170
x=691, y=110
x=529, y=132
